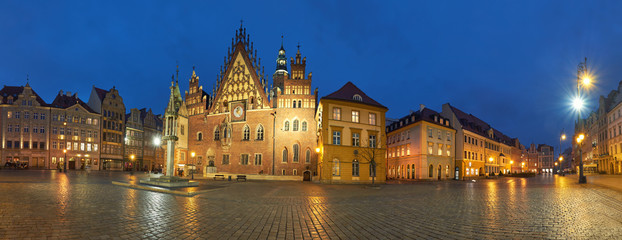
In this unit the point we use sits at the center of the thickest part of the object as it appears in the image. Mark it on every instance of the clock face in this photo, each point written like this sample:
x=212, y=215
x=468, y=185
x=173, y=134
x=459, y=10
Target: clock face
x=238, y=111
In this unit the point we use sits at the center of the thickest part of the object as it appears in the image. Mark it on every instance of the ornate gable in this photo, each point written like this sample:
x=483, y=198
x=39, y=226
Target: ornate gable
x=242, y=81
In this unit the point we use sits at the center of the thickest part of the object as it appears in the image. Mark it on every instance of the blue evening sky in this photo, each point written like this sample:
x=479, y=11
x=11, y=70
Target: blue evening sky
x=510, y=63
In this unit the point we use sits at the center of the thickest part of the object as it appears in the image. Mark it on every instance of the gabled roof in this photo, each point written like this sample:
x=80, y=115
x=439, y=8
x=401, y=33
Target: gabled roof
x=478, y=126
x=15, y=91
x=101, y=93
x=347, y=93
x=64, y=101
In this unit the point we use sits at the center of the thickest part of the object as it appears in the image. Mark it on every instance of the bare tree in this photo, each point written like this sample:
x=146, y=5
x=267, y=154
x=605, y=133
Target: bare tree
x=368, y=152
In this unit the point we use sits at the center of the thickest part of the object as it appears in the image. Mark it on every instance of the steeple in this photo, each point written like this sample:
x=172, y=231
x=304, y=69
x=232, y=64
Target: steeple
x=281, y=60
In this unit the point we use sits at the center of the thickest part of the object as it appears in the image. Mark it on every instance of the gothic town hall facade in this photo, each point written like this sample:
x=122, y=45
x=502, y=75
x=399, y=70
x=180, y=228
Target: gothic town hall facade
x=246, y=126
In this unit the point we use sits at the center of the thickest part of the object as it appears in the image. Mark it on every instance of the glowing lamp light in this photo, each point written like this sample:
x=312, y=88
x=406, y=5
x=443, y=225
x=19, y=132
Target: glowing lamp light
x=580, y=138
x=156, y=141
x=586, y=81
x=490, y=159
x=317, y=150
x=563, y=136
x=577, y=103
x=561, y=158
x=511, y=162
x=192, y=153
x=555, y=164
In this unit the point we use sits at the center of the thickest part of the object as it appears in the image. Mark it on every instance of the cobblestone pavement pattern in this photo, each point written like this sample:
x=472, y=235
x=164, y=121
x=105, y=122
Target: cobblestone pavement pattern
x=80, y=205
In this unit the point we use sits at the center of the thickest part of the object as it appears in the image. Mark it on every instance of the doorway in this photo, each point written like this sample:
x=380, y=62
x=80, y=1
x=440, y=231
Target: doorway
x=306, y=176
x=439, y=172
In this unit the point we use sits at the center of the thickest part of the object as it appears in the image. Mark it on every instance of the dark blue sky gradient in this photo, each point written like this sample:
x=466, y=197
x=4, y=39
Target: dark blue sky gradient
x=510, y=63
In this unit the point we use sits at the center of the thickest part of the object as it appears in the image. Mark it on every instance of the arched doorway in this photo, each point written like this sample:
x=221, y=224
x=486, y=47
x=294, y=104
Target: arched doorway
x=439, y=172
x=306, y=176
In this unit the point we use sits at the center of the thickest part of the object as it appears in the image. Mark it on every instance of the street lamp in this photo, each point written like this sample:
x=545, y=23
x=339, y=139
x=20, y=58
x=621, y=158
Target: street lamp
x=193, y=165
x=561, y=138
x=65, y=161
x=583, y=78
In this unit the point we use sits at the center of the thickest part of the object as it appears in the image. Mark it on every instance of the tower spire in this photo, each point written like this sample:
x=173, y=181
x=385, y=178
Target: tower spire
x=281, y=63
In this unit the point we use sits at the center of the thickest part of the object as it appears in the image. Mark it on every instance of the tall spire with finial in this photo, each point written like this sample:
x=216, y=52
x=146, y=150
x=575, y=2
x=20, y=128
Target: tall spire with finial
x=281, y=60
x=177, y=71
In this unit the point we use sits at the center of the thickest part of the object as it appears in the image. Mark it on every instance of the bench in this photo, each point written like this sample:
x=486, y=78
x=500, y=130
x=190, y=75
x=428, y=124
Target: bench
x=241, y=177
x=219, y=177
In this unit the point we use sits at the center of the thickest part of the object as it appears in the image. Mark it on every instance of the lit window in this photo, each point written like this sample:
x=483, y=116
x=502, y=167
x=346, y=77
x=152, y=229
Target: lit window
x=355, y=116
x=295, y=125
x=336, y=171
x=337, y=113
x=355, y=168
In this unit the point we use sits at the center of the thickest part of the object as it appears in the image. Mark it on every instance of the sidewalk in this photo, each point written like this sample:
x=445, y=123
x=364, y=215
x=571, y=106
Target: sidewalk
x=609, y=181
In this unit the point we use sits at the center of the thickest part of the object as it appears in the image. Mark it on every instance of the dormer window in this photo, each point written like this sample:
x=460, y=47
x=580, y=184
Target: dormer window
x=357, y=97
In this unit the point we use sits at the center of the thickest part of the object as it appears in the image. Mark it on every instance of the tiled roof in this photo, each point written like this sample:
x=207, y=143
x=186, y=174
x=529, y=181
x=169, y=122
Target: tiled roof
x=476, y=125
x=15, y=91
x=64, y=101
x=347, y=93
x=425, y=115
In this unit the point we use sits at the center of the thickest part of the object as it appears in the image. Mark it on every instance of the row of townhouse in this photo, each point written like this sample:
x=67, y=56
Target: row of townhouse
x=451, y=144
x=67, y=133
x=601, y=150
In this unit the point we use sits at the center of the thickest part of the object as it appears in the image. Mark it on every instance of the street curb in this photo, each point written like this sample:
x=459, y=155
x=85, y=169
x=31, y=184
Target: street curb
x=160, y=190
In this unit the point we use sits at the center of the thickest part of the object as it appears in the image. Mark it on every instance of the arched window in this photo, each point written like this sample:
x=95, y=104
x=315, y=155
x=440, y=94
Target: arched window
x=304, y=126
x=299, y=103
x=199, y=136
x=217, y=134
x=357, y=97
x=296, y=149
x=336, y=171
x=285, y=155
x=308, y=156
x=260, y=133
x=412, y=169
x=247, y=133
x=295, y=125
x=431, y=171
x=294, y=104
x=408, y=171
x=355, y=168
x=286, y=127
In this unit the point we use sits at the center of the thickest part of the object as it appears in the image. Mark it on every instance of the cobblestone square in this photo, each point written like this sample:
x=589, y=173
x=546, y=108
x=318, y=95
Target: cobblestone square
x=82, y=205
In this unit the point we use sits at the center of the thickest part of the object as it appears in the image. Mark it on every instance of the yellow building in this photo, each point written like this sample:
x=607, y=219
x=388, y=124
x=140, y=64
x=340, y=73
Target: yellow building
x=480, y=149
x=351, y=138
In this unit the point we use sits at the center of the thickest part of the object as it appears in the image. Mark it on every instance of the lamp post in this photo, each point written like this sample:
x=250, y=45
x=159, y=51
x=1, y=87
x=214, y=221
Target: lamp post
x=273, y=139
x=561, y=138
x=584, y=80
x=65, y=161
x=580, y=142
x=193, y=165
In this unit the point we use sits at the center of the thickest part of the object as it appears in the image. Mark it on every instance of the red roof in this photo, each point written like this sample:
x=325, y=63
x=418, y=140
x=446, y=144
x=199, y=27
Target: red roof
x=347, y=93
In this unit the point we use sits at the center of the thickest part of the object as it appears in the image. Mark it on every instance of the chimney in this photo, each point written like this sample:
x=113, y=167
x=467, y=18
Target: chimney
x=421, y=107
